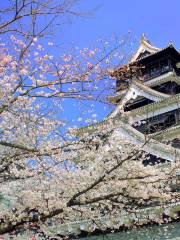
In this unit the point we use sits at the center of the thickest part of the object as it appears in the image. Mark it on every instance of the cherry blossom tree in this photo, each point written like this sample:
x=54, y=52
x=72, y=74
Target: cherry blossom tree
x=48, y=175
x=47, y=172
x=35, y=18
x=33, y=86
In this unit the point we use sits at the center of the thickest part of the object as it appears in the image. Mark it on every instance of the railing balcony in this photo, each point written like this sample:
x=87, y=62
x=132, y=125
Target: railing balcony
x=156, y=73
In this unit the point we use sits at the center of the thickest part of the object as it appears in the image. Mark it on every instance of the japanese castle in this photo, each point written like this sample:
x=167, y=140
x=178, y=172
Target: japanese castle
x=147, y=101
x=153, y=96
x=147, y=114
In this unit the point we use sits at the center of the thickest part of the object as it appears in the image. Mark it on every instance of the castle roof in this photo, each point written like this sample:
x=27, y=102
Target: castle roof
x=145, y=48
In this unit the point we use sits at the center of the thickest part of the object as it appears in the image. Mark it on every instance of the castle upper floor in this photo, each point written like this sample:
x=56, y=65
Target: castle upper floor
x=147, y=63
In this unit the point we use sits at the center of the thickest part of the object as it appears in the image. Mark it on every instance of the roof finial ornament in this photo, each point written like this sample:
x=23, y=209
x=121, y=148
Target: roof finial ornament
x=143, y=37
x=170, y=43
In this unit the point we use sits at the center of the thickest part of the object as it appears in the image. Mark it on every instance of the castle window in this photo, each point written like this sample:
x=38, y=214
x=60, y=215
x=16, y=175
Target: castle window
x=155, y=70
x=160, y=125
x=164, y=65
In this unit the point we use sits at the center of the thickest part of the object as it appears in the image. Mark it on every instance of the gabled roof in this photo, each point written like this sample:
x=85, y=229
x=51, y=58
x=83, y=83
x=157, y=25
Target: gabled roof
x=145, y=49
x=167, y=51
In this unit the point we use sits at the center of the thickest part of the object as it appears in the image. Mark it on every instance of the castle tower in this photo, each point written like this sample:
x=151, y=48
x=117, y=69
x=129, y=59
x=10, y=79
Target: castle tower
x=154, y=88
x=147, y=101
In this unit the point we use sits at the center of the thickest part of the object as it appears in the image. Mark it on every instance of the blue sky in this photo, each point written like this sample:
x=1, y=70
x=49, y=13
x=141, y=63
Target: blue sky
x=158, y=19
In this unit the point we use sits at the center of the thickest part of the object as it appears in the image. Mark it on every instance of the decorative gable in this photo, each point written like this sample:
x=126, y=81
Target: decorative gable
x=145, y=49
